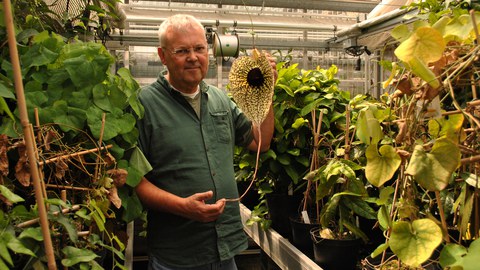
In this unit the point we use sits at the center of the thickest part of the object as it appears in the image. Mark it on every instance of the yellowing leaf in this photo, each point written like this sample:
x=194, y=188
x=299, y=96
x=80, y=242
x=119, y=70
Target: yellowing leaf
x=368, y=128
x=381, y=166
x=459, y=27
x=392, y=75
x=426, y=44
x=451, y=127
x=415, y=242
x=433, y=170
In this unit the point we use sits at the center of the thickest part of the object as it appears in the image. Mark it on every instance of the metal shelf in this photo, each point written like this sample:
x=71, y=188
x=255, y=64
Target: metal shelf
x=278, y=248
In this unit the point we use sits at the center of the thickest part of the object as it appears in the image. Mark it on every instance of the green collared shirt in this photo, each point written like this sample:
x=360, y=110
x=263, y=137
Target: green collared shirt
x=191, y=154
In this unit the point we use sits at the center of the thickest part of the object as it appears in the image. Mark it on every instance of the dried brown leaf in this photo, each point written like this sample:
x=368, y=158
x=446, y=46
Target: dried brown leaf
x=60, y=168
x=119, y=176
x=22, y=168
x=109, y=160
x=49, y=138
x=3, y=155
x=113, y=197
x=404, y=84
x=5, y=200
x=402, y=131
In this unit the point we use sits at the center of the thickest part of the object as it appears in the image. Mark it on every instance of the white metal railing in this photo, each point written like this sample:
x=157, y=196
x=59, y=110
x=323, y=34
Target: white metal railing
x=278, y=248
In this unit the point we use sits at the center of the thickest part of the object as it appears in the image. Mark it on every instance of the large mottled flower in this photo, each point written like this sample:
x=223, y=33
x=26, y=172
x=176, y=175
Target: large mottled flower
x=251, y=85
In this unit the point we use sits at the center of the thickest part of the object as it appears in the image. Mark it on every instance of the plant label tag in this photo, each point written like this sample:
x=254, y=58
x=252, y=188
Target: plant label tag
x=305, y=217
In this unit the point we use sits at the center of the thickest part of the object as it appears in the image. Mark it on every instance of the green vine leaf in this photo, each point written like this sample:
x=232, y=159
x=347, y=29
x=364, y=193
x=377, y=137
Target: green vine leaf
x=76, y=255
x=433, y=170
x=299, y=122
x=17, y=246
x=415, y=242
x=34, y=233
x=67, y=117
x=381, y=166
x=9, y=195
x=116, y=122
x=454, y=256
x=401, y=32
x=5, y=255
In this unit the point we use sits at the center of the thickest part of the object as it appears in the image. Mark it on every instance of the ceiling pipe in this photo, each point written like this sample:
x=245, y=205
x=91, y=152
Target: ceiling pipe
x=143, y=16
x=233, y=10
x=350, y=6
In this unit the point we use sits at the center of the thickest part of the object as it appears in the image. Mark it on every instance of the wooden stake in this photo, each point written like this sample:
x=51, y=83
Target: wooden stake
x=27, y=128
x=469, y=160
x=442, y=216
x=69, y=187
x=347, y=133
x=74, y=155
x=100, y=141
x=35, y=221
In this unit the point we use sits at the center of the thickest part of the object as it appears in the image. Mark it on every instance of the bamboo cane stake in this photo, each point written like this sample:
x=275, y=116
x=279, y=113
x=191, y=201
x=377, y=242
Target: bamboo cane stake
x=74, y=154
x=69, y=187
x=27, y=130
x=100, y=141
x=37, y=157
x=470, y=160
x=347, y=133
x=316, y=127
x=83, y=233
x=474, y=103
x=442, y=216
x=475, y=28
x=35, y=221
x=474, y=86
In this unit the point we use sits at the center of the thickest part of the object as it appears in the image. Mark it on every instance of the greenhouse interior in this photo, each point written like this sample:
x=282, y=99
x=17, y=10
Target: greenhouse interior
x=240, y=134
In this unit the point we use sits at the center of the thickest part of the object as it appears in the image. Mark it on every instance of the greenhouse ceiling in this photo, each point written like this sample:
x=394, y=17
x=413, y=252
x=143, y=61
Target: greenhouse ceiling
x=308, y=24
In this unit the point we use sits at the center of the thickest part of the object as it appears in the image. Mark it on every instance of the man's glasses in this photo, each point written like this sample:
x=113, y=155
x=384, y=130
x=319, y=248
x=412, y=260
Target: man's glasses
x=184, y=52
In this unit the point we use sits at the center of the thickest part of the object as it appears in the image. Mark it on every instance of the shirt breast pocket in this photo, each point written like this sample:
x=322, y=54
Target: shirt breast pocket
x=221, y=125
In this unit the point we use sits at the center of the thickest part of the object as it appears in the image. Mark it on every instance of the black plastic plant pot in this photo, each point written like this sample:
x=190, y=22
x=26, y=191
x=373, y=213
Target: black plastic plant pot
x=335, y=254
x=280, y=209
x=301, y=238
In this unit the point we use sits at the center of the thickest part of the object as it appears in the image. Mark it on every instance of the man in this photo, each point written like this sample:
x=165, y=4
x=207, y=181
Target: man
x=188, y=135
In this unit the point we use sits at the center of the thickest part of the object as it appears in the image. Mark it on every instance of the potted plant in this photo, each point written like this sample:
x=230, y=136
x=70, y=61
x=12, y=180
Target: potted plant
x=421, y=158
x=311, y=120
x=341, y=193
x=281, y=169
x=84, y=118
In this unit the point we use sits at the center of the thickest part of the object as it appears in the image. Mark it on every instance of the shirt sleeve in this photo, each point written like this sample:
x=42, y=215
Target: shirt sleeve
x=243, y=126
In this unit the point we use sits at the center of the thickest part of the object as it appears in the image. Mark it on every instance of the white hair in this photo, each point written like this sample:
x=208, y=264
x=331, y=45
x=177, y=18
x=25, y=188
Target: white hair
x=178, y=22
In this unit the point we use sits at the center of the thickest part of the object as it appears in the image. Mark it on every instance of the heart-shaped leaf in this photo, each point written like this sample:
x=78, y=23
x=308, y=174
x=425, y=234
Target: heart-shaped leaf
x=454, y=255
x=426, y=43
x=381, y=166
x=433, y=170
x=415, y=242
